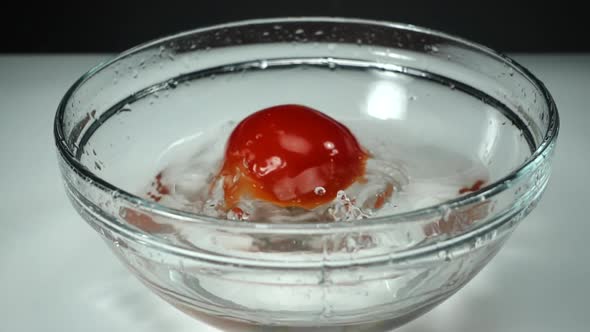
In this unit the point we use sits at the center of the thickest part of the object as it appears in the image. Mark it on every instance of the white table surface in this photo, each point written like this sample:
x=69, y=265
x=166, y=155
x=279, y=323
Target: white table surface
x=56, y=274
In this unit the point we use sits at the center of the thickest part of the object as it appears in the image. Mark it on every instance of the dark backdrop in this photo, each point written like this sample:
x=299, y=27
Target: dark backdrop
x=111, y=26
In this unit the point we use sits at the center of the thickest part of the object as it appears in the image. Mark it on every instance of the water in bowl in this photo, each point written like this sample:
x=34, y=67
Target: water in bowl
x=429, y=138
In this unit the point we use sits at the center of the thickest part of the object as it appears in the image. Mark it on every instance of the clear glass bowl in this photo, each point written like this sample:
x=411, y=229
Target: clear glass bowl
x=113, y=124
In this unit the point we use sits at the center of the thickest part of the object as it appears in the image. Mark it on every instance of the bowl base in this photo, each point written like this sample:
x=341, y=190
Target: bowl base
x=230, y=323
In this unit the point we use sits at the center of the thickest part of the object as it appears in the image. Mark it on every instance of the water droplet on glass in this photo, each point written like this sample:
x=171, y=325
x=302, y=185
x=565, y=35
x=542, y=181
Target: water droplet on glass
x=351, y=244
x=263, y=64
x=331, y=63
x=115, y=194
x=445, y=212
x=299, y=31
x=478, y=242
x=433, y=48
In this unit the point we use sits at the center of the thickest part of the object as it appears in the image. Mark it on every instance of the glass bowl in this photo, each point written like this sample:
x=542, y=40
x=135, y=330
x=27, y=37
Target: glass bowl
x=115, y=122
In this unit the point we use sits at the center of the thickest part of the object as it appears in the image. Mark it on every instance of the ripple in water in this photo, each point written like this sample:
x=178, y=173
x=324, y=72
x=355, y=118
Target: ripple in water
x=399, y=177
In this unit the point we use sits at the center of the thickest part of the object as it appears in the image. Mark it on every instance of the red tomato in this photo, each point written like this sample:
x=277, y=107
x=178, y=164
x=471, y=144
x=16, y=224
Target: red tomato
x=290, y=155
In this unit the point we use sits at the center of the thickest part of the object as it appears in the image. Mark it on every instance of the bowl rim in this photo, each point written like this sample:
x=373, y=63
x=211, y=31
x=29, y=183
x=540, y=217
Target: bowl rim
x=488, y=191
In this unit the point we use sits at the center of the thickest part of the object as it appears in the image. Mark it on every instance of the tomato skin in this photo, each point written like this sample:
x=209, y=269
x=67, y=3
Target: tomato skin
x=290, y=155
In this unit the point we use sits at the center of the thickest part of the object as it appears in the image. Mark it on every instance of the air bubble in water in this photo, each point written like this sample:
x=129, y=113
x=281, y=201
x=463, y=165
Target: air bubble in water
x=320, y=191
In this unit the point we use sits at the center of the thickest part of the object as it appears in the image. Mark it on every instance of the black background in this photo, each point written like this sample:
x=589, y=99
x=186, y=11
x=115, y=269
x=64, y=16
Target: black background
x=110, y=26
